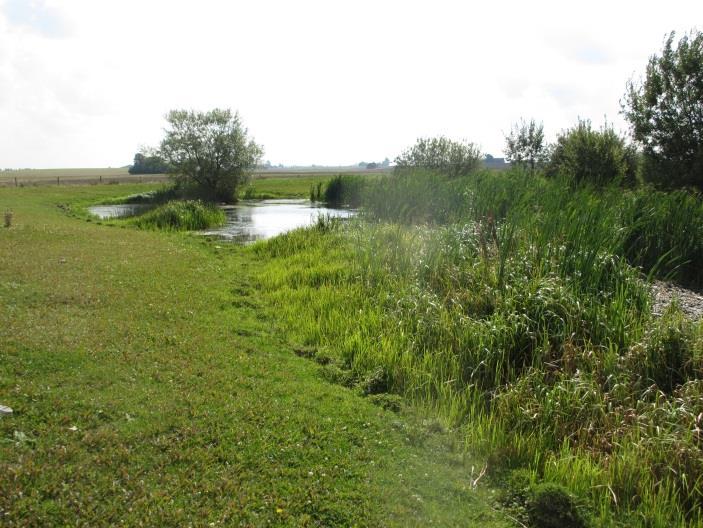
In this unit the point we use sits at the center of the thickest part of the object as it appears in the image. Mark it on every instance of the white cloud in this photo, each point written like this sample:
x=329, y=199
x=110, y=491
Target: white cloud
x=315, y=82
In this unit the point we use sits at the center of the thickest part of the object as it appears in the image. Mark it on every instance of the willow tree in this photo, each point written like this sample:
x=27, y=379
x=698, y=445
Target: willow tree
x=209, y=152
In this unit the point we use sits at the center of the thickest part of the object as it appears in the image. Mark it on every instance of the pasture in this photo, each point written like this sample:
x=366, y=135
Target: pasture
x=153, y=384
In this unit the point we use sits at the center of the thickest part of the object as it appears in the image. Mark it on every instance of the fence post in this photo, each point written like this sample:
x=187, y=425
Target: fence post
x=16, y=181
x=57, y=181
x=101, y=178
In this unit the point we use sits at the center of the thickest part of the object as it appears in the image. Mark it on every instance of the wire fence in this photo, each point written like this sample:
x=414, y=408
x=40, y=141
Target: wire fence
x=34, y=181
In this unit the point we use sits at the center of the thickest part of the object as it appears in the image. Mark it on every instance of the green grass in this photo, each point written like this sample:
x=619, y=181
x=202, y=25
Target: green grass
x=507, y=317
x=511, y=308
x=284, y=183
x=181, y=215
x=342, y=190
x=291, y=187
x=152, y=385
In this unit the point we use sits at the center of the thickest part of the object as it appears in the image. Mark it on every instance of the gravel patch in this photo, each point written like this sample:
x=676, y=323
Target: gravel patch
x=690, y=302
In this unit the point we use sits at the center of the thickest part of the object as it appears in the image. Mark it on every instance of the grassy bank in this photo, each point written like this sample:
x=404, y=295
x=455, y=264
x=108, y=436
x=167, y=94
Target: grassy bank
x=149, y=388
x=519, y=311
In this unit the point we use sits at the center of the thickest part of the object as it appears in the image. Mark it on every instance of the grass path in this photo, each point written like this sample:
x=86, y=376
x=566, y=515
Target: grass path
x=151, y=388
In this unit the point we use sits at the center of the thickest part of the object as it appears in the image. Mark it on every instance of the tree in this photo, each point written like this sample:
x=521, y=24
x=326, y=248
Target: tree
x=209, y=151
x=600, y=157
x=148, y=161
x=525, y=144
x=665, y=112
x=453, y=158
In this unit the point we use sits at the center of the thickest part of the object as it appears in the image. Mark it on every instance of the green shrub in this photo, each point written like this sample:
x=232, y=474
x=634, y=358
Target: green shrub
x=551, y=506
x=599, y=157
x=189, y=215
x=452, y=158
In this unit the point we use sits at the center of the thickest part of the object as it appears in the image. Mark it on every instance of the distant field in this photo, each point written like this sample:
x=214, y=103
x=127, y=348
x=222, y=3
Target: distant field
x=25, y=177
x=73, y=176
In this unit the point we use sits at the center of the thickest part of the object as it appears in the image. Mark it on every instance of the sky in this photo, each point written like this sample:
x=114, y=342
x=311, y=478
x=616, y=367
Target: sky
x=86, y=83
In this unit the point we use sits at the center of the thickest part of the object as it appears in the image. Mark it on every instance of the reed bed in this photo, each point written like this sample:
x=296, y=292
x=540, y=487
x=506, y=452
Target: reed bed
x=185, y=215
x=519, y=310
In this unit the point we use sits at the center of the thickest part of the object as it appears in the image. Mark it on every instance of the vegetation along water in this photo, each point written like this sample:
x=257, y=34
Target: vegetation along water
x=474, y=347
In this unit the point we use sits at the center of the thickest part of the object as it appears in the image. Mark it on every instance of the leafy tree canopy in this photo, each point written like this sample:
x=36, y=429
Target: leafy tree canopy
x=600, y=157
x=210, y=151
x=525, y=144
x=665, y=111
x=148, y=161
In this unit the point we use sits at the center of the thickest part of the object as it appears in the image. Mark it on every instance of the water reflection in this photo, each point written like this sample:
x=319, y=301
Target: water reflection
x=118, y=211
x=253, y=220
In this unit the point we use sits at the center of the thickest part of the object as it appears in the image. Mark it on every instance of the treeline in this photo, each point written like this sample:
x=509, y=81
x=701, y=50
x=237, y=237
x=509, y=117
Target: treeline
x=148, y=163
x=665, y=113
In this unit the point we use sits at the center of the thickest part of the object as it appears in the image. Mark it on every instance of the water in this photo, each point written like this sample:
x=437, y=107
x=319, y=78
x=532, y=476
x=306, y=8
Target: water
x=118, y=211
x=253, y=220
x=249, y=220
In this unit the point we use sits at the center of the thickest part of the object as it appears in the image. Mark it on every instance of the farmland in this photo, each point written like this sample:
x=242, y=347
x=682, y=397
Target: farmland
x=84, y=176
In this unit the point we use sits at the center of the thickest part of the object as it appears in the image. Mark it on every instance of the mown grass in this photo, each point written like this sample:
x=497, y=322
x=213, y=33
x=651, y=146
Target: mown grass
x=150, y=388
x=514, y=309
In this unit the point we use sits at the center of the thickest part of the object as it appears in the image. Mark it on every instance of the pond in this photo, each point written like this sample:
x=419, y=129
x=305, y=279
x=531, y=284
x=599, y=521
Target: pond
x=118, y=211
x=248, y=220
x=253, y=220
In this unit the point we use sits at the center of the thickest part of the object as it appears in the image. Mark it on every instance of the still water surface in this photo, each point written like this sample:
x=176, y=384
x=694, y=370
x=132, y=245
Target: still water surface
x=261, y=219
x=118, y=211
x=249, y=220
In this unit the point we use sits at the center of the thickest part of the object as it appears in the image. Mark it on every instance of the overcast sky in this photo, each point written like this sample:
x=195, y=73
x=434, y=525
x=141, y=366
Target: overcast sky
x=84, y=83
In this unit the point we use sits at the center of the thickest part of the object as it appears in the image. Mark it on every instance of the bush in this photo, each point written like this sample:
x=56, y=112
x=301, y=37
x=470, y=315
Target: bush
x=452, y=158
x=598, y=157
x=189, y=215
x=551, y=506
